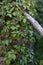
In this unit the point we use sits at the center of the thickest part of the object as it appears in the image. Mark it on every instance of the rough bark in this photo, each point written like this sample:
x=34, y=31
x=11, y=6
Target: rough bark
x=34, y=23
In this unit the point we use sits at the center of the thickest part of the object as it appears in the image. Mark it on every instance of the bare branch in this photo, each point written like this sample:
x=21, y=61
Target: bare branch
x=34, y=23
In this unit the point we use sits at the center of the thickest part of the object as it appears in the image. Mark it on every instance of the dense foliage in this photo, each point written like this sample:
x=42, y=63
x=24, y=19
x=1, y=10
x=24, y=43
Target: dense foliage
x=16, y=33
x=39, y=40
x=39, y=8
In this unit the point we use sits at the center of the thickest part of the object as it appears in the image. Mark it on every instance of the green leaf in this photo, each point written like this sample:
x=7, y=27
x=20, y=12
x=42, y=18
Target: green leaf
x=8, y=60
x=14, y=13
x=12, y=27
x=9, y=15
x=41, y=62
x=24, y=20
